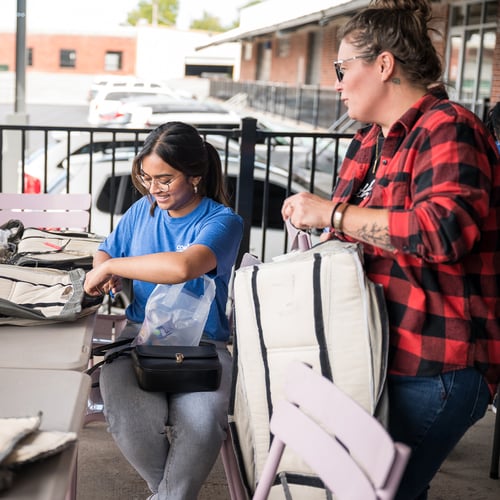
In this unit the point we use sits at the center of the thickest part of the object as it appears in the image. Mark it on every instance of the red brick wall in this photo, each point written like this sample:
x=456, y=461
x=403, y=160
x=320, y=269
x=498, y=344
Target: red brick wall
x=495, y=91
x=440, y=14
x=328, y=55
x=286, y=69
x=247, y=67
x=292, y=68
x=8, y=50
x=90, y=52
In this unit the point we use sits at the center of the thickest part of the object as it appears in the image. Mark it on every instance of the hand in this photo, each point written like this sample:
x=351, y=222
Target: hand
x=306, y=210
x=115, y=284
x=99, y=282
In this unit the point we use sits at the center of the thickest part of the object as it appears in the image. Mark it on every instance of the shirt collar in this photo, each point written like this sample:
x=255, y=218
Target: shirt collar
x=429, y=100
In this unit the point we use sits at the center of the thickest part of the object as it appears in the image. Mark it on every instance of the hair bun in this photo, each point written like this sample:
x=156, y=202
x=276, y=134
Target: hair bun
x=420, y=8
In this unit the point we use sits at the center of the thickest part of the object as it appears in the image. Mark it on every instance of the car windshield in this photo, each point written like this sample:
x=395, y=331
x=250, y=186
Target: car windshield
x=122, y=96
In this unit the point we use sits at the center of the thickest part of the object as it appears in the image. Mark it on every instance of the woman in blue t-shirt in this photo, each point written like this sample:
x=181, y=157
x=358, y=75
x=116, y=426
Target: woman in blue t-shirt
x=179, y=230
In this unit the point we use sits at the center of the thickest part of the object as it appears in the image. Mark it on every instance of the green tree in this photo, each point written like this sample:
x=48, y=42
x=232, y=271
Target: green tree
x=251, y=2
x=207, y=22
x=166, y=12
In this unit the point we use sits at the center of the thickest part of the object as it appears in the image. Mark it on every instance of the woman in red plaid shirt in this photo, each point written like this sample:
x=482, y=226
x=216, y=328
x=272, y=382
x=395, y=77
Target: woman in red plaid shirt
x=420, y=190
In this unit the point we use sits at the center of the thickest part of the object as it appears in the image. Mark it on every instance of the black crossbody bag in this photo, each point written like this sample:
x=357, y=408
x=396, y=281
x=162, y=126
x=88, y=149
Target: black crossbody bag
x=171, y=369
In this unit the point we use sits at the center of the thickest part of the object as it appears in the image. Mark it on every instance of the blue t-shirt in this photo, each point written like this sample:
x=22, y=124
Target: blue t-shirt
x=210, y=224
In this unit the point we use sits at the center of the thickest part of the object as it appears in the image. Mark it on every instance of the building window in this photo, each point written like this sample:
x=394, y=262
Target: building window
x=283, y=47
x=29, y=57
x=67, y=58
x=113, y=61
x=470, y=48
x=247, y=51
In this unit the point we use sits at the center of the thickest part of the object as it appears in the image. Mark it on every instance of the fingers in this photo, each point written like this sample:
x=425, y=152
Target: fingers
x=93, y=291
x=306, y=210
x=115, y=283
x=293, y=211
x=92, y=288
x=286, y=210
x=289, y=207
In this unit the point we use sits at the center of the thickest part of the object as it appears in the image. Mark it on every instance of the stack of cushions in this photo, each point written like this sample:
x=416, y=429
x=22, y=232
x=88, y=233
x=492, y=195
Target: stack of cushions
x=22, y=442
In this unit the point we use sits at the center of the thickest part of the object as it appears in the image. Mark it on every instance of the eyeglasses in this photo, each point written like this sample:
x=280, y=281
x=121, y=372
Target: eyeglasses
x=162, y=181
x=337, y=64
x=340, y=72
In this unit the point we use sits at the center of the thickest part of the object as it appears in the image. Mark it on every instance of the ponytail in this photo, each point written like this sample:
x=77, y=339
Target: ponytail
x=214, y=181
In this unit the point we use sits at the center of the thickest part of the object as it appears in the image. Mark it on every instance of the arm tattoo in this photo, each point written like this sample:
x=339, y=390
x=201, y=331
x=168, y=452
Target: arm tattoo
x=375, y=235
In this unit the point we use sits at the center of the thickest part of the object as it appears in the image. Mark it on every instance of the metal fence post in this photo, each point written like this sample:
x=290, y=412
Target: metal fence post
x=244, y=184
x=315, y=119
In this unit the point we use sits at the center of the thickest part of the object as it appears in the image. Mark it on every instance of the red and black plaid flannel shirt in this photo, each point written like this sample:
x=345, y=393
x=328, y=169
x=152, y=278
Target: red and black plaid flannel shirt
x=439, y=175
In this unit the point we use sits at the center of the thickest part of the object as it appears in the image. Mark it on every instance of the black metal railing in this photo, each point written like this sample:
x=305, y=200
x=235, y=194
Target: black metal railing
x=320, y=107
x=317, y=106
x=261, y=167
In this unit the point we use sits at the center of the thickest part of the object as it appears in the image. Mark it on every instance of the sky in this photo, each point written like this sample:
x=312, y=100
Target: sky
x=97, y=13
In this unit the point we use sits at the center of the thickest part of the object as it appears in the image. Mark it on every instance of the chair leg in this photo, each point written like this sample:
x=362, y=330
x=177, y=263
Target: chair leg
x=495, y=454
x=234, y=483
x=95, y=405
x=71, y=493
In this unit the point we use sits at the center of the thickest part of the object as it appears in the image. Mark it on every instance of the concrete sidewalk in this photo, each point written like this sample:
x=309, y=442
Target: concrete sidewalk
x=103, y=473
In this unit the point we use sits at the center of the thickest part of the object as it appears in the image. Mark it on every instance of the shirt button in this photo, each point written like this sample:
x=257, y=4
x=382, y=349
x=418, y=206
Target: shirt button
x=384, y=162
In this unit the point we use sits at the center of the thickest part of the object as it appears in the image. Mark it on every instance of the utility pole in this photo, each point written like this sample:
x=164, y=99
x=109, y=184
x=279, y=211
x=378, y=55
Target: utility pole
x=20, y=104
x=10, y=180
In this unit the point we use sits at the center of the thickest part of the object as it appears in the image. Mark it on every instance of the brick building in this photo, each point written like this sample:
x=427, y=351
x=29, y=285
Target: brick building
x=144, y=51
x=73, y=53
x=296, y=45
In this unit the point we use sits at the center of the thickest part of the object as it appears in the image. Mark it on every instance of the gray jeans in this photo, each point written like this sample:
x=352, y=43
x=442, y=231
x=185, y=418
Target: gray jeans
x=172, y=440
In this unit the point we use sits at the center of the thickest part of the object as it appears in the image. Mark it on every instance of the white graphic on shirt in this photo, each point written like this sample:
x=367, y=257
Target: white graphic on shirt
x=366, y=190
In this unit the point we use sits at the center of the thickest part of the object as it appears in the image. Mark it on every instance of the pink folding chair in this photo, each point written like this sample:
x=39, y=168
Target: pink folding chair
x=345, y=446
x=42, y=210
x=107, y=328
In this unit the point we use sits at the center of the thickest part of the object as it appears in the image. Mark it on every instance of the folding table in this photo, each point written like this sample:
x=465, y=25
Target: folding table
x=61, y=396
x=58, y=346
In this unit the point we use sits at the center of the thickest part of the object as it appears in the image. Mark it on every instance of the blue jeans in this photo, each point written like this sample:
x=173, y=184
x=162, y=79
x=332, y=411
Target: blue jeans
x=431, y=414
x=172, y=440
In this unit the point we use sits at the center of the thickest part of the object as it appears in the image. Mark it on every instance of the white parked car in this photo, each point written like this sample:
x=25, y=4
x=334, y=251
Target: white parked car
x=112, y=190
x=106, y=101
x=153, y=110
x=102, y=147
x=118, y=82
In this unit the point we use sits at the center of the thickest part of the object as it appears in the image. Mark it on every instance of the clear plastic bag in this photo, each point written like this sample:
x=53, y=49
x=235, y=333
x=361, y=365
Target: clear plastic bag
x=176, y=314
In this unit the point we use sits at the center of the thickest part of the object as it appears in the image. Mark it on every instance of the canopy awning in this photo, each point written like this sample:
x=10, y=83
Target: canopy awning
x=288, y=22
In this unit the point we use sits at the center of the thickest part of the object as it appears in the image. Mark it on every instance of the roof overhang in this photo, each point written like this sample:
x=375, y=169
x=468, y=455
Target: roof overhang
x=321, y=17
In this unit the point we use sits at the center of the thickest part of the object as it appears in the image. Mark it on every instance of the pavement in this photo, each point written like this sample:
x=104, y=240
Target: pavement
x=104, y=474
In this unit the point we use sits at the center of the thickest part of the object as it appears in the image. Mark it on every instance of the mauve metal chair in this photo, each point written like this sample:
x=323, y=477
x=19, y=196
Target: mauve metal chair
x=107, y=328
x=344, y=445
x=42, y=210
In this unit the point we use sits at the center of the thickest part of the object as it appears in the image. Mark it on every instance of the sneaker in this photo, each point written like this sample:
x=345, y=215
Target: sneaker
x=494, y=404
